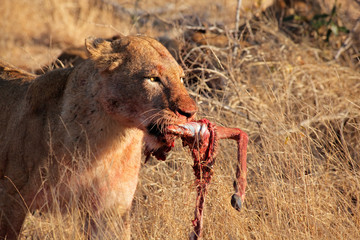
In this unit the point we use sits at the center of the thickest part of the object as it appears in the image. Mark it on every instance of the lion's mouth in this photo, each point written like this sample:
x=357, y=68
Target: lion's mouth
x=158, y=131
x=164, y=141
x=154, y=130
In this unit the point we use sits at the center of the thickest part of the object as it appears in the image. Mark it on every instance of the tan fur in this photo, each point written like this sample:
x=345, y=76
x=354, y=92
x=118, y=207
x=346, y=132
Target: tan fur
x=80, y=131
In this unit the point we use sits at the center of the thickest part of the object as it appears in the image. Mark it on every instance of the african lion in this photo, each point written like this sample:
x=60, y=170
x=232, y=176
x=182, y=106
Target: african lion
x=81, y=130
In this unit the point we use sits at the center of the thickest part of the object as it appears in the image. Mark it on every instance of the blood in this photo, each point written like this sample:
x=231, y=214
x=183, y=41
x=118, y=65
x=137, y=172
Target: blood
x=201, y=137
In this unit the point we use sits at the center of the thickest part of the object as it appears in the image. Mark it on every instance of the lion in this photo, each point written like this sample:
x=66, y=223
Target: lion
x=81, y=130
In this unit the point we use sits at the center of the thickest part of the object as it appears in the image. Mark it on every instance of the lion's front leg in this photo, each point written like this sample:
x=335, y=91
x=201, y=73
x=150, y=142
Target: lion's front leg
x=125, y=226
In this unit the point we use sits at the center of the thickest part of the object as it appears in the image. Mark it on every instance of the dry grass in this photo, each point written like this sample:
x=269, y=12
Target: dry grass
x=303, y=180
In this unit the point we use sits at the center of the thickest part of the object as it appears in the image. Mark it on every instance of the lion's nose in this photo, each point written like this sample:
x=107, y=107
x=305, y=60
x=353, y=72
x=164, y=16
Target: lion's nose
x=183, y=106
x=187, y=111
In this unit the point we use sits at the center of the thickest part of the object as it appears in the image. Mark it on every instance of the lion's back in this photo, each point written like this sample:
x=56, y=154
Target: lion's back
x=24, y=95
x=13, y=86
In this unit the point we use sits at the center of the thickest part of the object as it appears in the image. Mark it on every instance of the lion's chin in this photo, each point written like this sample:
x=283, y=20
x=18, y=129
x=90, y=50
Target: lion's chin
x=157, y=147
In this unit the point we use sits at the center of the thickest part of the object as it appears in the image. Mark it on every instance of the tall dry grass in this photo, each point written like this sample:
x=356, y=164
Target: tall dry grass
x=301, y=112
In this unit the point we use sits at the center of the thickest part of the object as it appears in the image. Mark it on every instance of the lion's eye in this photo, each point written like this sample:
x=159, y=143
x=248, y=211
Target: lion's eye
x=182, y=80
x=153, y=79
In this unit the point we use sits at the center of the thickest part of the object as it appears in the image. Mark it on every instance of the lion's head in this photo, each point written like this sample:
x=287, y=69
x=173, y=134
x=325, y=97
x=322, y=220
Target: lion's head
x=141, y=86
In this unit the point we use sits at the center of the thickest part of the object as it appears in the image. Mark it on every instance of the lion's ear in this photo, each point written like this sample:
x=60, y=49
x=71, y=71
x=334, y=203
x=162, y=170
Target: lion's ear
x=102, y=53
x=97, y=46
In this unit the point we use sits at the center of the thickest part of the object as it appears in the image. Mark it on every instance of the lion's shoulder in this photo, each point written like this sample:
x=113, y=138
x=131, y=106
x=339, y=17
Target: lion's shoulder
x=46, y=88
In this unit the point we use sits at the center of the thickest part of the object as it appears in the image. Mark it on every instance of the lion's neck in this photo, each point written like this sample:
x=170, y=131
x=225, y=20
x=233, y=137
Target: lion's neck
x=88, y=129
x=112, y=153
x=106, y=151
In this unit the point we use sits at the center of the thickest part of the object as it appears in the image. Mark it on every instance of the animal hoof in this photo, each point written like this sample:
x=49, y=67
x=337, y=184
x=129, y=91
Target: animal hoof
x=236, y=202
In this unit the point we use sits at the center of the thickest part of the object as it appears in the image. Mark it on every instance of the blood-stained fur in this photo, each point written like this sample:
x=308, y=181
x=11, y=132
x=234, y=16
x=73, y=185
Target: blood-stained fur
x=79, y=132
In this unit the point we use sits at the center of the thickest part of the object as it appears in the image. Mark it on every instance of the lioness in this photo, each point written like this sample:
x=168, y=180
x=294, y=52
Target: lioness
x=81, y=130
